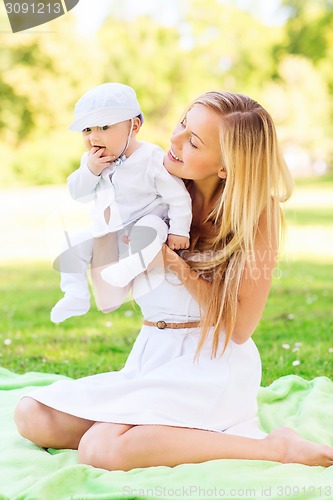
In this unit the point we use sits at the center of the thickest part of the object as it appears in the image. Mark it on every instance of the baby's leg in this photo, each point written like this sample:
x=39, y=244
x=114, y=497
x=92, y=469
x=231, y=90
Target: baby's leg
x=105, y=250
x=145, y=241
x=73, y=264
x=149, y=230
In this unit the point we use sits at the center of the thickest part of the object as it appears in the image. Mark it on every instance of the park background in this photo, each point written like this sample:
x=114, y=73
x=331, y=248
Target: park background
x=279, y=52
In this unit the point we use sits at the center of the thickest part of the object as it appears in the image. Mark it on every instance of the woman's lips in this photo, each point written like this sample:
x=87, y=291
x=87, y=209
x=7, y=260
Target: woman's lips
x=173, y=157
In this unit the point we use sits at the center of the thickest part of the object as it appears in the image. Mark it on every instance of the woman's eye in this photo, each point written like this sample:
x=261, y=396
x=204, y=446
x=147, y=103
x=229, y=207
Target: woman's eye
x=193, y=145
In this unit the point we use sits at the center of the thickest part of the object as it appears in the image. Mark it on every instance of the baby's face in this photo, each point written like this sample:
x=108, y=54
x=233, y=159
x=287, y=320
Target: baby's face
x=112, y=138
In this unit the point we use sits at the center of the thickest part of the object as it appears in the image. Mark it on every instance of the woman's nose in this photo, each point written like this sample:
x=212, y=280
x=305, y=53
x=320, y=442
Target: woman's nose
x=177, y=136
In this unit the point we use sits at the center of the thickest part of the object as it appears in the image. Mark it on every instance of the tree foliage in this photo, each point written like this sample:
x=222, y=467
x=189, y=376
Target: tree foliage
x=213, y=45
x=309, y=28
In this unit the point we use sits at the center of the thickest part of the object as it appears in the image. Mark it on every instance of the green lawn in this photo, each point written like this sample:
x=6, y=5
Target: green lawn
x=80, y=346
x=299, y=311
x=318, y=181
x=309, y=216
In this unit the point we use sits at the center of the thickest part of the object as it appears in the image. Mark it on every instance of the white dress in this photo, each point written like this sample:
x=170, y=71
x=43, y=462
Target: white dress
x=161, y=383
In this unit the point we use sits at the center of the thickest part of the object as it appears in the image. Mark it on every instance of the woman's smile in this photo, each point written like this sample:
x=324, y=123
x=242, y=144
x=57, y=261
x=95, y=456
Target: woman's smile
x=173, y=157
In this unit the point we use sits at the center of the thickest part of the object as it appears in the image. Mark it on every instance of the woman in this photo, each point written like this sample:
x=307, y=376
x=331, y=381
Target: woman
x=187, y=393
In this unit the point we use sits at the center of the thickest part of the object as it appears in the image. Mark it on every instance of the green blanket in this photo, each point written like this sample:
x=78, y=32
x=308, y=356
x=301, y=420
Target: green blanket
x=29, y=472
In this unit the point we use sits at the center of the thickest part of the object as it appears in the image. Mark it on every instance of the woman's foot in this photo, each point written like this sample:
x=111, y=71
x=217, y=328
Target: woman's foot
x=292, y=448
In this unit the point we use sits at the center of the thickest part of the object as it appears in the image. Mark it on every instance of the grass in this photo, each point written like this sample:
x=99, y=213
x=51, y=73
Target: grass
x=78, y=347
x=299, y=310
x=308, y=216
x=318, y=181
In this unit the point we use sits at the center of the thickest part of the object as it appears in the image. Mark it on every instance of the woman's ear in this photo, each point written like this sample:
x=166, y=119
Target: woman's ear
x=222, y=173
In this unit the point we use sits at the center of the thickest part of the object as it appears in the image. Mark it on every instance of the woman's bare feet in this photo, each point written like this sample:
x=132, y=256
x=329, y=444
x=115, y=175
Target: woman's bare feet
x=292, y=448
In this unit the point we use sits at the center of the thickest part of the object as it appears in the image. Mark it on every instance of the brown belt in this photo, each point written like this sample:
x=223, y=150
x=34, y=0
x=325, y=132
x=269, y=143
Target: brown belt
x=162, y=324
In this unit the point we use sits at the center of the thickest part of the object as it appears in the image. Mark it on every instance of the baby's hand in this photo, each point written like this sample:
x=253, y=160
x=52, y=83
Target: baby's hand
x=176, y=242
x=96, y=162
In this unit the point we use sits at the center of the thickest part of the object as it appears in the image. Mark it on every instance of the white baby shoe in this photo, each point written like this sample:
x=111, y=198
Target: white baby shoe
x=67, y=307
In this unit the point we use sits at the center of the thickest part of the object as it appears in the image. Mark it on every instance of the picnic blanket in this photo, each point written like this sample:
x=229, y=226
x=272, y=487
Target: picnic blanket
x=28, y=472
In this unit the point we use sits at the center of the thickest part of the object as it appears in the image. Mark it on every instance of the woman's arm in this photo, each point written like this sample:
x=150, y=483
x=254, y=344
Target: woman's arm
x=255, y=284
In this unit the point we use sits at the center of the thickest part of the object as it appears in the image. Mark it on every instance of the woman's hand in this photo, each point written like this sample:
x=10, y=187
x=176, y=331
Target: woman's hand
x=198, y=287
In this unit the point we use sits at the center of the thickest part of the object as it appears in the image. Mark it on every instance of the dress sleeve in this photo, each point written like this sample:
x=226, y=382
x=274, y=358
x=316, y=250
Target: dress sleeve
x=82, y=182
x=174, y=193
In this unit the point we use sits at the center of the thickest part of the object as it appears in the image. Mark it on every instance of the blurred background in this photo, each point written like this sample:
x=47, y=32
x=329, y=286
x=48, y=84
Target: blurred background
x=280, y=52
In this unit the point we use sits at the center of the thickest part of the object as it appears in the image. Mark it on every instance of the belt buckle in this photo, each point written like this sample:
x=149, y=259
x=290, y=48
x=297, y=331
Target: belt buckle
x=161, y=325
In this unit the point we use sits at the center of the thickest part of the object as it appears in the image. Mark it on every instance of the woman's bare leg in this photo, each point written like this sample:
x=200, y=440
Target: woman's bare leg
x=99, y=446
x=154, y=445
x=47, y=427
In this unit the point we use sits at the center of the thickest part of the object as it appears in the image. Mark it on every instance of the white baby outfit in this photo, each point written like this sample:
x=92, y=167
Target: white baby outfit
x=139, y=186
x=161, y=383
x=140, y=192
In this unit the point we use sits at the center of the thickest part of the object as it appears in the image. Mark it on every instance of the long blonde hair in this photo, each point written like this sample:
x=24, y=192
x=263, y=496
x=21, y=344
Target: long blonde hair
x=257, y=180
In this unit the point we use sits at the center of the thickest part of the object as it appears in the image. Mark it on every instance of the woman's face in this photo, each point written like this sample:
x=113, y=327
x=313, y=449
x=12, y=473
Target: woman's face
x=195, y=145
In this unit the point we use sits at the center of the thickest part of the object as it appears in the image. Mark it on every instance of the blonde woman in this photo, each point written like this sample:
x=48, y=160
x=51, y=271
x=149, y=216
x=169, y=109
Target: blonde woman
x=188, y=390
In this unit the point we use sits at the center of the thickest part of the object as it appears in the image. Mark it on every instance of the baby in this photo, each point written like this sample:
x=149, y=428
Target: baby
x=135, y=197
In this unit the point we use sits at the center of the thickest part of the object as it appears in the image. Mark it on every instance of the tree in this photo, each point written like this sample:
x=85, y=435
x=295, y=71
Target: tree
x=303, y=119
x=212, y=45
x=309, y=28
